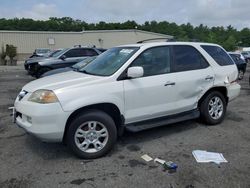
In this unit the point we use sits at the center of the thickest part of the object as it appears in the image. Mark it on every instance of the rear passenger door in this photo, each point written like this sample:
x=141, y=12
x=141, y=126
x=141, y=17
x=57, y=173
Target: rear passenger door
x=192, y=76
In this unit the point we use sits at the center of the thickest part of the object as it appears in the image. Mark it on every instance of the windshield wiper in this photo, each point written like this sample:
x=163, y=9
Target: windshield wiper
x=86, y=72
x=75, y=69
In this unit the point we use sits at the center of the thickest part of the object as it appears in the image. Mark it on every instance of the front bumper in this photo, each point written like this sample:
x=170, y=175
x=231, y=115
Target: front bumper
x=45, y=121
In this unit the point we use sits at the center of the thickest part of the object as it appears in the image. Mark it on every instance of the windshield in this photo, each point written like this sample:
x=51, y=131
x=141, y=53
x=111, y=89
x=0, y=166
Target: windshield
x=110, y=61
x=57, y=54
x=83, y=63
x=42, y=51
x=54, y=53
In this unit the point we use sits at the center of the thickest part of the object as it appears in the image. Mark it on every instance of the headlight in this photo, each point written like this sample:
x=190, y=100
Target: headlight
x=43, y=96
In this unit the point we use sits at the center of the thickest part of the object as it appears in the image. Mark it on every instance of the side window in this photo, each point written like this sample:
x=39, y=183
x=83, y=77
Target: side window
x=90, y=52
x=80, y=52
x=73, y=53
x=218, y=54
x=154, y=61
x=187, y=58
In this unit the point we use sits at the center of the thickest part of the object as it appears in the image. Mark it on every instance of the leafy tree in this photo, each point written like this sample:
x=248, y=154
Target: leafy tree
x=228, y=36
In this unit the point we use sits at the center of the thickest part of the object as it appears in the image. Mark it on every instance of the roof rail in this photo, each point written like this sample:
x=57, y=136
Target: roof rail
x=146, y=40
x=84, y=46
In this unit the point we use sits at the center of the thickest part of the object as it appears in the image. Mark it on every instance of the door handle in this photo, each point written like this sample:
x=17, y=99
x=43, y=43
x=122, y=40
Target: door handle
x=209, y=78
x=170, y=84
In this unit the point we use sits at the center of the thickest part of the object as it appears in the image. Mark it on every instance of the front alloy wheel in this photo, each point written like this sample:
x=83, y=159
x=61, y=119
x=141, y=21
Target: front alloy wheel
x=91, y=134
x=91, y=137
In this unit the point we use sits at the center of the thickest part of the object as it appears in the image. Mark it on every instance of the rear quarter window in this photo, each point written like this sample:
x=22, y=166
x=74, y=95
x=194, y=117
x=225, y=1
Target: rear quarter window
x=187, y=58
x=218, y=54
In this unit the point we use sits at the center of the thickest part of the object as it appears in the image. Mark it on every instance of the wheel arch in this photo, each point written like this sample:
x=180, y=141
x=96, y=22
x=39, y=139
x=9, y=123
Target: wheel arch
x=221, y=89
x=109, y=108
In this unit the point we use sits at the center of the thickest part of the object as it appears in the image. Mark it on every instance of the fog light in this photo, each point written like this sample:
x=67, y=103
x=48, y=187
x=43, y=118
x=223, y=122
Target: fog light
x=29, y=119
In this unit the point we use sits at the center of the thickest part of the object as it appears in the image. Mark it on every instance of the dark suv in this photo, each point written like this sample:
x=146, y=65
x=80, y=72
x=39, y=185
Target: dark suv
x=64, y=58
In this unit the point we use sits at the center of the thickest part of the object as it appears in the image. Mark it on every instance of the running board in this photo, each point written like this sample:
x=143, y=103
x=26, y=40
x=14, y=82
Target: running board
x=157, y=122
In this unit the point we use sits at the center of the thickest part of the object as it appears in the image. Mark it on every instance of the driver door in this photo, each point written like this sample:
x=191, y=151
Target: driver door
x=150, y=96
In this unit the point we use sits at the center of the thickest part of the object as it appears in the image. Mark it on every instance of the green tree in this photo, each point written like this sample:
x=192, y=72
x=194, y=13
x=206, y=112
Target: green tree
x=230, y=43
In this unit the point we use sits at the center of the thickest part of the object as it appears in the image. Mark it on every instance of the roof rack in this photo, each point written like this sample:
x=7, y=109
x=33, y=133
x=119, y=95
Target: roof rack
x=165, y=40
x=84, y=46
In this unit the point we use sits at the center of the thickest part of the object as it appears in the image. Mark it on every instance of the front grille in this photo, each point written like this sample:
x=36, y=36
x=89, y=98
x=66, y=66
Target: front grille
x=18, y=114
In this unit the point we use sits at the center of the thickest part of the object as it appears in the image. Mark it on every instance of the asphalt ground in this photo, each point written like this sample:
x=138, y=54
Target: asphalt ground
x=27, y=162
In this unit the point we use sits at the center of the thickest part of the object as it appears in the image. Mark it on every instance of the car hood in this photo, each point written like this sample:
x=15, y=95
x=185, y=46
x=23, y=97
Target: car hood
x=57, y=71
x=67, y=80
x=38, y=59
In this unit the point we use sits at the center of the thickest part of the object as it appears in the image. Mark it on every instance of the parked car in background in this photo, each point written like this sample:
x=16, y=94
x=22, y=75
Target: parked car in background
x=75, y=67
x=136, y=87
x=102, y=49
x=64, y=58
x=246, y=55
x=240, y=63
x=40, y=52
x=53, y=53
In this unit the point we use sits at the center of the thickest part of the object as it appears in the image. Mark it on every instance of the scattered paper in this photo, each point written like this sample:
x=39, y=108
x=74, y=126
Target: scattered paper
x=206, y=157
x=159, y=161
x=147, y=158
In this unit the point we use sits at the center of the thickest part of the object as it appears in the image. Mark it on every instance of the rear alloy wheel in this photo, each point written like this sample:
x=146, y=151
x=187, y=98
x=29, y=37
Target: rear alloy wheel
x=241, y=75
x=92, y=134
x=213, y=108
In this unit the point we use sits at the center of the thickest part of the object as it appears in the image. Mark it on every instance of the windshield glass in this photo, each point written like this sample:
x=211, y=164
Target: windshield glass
x=110, y=61
x=42, y=51
x=54, y=53
x=83, y=63
x=57, y=54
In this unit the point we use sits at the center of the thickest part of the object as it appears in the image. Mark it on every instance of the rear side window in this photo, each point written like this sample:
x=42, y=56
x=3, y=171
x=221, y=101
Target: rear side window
x=79, y=52
x=187, y=58
x=90, y=52
x=218, y=54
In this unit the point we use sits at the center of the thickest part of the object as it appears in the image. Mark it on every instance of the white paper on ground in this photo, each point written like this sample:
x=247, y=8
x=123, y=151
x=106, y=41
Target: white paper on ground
x=206, y=157
x=147, y=158
x=159, y=161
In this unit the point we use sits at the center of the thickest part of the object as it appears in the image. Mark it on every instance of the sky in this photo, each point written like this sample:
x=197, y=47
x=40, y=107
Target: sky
x=207, y=12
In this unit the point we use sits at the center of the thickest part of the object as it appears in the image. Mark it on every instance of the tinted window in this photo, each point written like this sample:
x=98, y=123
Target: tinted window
x=218, y=54
x=79, y=52
x=187, y=58
x=90, y=52
x=154, y=61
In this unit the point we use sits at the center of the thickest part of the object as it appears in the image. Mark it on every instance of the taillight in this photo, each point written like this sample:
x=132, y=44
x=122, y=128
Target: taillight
x=226, y=81
x=235, y=81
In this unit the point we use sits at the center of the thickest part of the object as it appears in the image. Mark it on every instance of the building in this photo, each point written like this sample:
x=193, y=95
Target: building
x=27, y=41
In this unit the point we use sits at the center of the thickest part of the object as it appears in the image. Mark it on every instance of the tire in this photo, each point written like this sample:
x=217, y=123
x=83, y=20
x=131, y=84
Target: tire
x=81, y=131
x=213, y=115
x=41, y=71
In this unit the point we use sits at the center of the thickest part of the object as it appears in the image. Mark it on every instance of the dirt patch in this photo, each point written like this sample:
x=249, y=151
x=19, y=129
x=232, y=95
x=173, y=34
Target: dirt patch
x=234, y=116
x=80, y=181
x=15, y=183
x=134, y=163
x=133, y=148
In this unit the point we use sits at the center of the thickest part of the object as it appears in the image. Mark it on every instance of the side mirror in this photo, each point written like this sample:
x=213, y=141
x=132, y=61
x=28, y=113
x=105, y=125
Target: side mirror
x=63, y=57
x=135, y=72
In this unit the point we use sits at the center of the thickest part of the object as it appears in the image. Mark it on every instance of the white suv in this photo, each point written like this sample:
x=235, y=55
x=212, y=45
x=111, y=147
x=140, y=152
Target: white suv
x=136, y=87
